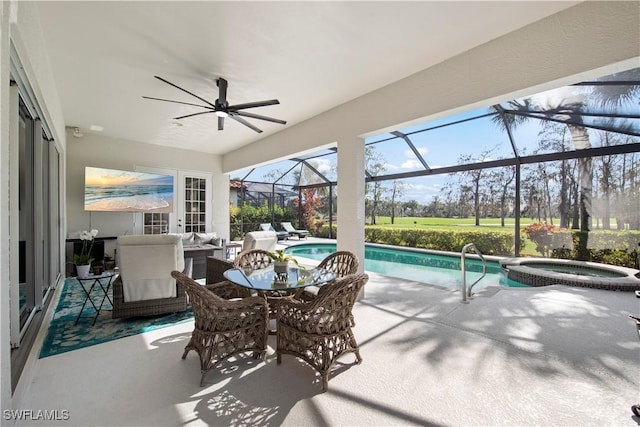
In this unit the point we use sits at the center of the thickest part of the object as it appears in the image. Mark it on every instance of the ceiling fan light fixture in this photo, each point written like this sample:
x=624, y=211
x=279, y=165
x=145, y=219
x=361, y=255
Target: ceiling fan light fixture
x=221, y=107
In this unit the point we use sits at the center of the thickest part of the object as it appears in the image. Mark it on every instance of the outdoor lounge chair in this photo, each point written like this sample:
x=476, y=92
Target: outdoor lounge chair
x=265, y=240
x=319, y=331
x=282, y=235
x=302, y=234
x=145, y=286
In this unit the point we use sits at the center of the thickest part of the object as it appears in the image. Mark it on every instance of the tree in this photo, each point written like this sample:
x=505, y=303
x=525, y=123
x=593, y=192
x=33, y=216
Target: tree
x=374, y=165
x=502, y=178
x=308, y=206
x=396, y=192
x=569, y=111
x=412, y=207
x=475, y=176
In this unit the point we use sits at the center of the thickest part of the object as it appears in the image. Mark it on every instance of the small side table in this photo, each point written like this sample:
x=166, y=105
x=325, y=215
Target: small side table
x=232, y=247
x=88, y=284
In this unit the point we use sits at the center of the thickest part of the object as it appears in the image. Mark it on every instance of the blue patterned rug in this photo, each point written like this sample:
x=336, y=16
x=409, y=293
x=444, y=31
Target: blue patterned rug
x=63, y=335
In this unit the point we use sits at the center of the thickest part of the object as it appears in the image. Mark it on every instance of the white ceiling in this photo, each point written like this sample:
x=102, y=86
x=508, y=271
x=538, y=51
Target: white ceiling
x=312, y=56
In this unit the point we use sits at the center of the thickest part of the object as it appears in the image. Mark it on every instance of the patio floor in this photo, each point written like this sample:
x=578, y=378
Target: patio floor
x=528, y=357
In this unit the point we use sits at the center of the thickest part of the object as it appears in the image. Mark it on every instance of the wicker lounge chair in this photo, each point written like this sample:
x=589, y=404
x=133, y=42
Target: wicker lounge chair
x=319, y=331
x=302, y=234
x=145, y=286
x=223, y=328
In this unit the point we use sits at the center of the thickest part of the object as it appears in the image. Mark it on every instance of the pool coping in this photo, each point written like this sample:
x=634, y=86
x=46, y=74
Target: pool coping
x=516, y=270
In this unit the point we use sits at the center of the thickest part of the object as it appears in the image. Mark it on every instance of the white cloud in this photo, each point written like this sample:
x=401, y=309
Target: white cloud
x=323, y=165
x=411, y=164
x=422, y=150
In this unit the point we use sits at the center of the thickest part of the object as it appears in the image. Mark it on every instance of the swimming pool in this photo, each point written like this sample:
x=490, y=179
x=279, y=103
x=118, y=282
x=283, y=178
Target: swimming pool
x=414, y=264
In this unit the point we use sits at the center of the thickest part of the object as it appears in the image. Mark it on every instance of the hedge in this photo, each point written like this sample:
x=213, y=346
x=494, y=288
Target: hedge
x=490, y=243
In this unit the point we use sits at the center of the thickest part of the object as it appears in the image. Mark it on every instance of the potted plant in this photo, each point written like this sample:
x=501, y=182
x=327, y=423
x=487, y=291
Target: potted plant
x=281, y=261
x=83, y=259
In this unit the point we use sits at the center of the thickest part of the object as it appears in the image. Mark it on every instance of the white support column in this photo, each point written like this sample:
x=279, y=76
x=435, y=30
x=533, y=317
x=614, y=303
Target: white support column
x=351, y=197
x=220, y=208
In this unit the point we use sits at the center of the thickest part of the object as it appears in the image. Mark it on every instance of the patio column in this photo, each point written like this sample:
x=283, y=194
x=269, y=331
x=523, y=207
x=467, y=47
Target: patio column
x=351, y=197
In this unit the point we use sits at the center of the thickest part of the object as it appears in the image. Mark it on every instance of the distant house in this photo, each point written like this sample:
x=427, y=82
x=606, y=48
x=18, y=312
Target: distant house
x=235, y=189
x=258, y=192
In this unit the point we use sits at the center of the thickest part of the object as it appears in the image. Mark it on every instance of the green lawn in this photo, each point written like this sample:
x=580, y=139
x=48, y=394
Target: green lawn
x=419, y=222
x=528, y=249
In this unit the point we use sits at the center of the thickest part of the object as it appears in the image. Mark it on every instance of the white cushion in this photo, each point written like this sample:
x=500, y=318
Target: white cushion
x=206, y=238
x=265, y=240
x=146, y=263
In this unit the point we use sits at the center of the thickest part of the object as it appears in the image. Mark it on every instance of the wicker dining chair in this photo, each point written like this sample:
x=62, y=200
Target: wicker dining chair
x=224, y=328
x=319, y=331
x=342, y=263
x=255, y=259
x=215, y=269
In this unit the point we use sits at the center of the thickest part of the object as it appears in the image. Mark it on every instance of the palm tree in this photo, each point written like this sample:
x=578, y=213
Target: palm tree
x=570, y=110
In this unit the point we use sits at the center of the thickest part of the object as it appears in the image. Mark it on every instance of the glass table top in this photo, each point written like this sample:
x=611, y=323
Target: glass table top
x=266, y=279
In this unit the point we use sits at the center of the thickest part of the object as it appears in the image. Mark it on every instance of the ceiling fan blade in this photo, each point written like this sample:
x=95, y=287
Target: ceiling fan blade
x=244, y=122
x=178, y=102
x=220, y=123
x=254, y=104
x=257, y=116
x=193, y=114
x=184, y=90
x=222, y=93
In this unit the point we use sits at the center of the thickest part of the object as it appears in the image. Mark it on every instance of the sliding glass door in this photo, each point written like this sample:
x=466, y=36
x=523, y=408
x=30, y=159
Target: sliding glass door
x=35, y=215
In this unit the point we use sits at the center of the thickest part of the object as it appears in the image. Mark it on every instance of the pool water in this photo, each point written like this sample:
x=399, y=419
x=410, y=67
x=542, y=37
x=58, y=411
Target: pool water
x=420, y=266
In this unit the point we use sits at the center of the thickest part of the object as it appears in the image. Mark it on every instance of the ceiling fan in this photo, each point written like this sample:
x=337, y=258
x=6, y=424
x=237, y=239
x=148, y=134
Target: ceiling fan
x=221, y=107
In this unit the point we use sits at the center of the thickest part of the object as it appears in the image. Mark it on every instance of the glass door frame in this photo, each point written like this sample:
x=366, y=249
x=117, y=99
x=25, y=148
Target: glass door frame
x=177, y=219
x=183, y=177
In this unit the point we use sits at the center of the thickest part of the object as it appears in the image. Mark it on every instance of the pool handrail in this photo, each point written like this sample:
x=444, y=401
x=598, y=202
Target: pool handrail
x=467, y=294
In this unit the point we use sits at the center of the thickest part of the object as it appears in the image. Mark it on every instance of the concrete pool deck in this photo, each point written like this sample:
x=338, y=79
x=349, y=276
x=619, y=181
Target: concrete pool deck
x=552, y=356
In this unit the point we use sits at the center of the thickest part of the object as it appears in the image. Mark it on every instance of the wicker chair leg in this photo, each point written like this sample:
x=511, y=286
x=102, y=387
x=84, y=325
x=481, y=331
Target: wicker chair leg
x=204, y=374
x=325, y=381
x=187, y=349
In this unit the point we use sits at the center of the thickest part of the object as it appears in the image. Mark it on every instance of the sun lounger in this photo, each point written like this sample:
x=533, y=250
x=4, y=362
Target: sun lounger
x=281, y=234
x=302, y=234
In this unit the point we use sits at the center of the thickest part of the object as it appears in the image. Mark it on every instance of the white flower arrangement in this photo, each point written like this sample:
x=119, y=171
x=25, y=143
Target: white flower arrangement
x=84, y=257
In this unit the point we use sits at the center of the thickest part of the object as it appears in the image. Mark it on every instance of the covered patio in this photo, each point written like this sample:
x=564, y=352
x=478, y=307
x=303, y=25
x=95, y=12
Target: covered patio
x=528, y=357
x=551, y=356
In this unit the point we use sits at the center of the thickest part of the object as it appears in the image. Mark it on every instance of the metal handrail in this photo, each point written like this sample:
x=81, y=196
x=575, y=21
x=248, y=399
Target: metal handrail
x=467, y=294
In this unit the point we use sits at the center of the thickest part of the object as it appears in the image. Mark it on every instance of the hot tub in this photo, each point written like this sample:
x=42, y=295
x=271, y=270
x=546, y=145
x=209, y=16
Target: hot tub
x=548, y=271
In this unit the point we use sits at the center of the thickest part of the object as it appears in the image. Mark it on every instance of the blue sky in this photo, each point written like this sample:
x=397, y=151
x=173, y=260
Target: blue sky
x=444, y=146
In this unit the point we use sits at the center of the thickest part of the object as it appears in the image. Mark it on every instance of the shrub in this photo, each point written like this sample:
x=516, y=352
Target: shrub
x=489, y=243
